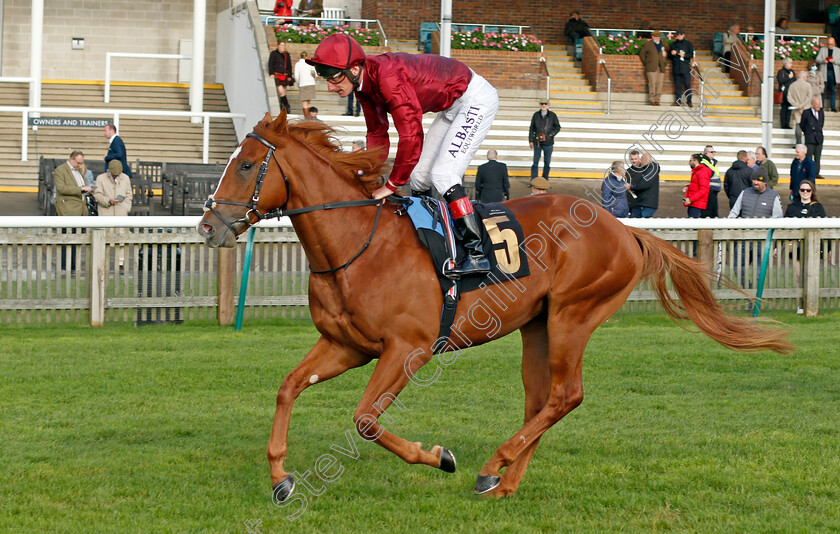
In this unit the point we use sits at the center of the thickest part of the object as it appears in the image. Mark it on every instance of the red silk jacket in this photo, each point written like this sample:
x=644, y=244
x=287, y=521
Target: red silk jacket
x=406, y=86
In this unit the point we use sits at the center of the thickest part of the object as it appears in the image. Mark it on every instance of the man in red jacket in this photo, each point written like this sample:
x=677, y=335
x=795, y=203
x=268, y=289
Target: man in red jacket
x=406, y=86
x=697, y=191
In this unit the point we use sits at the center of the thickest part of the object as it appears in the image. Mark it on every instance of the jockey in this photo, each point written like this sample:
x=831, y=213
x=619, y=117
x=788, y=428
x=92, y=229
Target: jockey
x=406, y=86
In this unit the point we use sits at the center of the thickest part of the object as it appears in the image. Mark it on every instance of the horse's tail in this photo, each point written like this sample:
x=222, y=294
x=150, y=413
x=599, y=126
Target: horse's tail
x=696, y=300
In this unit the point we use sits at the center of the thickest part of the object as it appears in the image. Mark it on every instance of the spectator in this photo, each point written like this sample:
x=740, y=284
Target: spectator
x=802, y=168
x=755, y=201
x=283, y=8
x=827, y=57
x=313, y=114
x=113, y=191
x=310, y=8
x=730, y=38
x=653, y=57
x=682, y=52
x=715, y=184
x=738, y=178
x=799, y=97
x=116, y=148
x=576, y=28
x=782, y=26
x=812, y=128
x=280, y=68
x=758, y=200
x=491, y=180
x=350, y=99
x=544, y=126
x=816, y=81
x=751, y=163
x=614, y=191
x=785, y=77
x=539, y=186
x=808, y=205
x=764, y=161
x=70, y=190
x=113, y=195
x=70, y=186
x=697, y=191
x=305, y=76
x=644, y=184
x=358, y=145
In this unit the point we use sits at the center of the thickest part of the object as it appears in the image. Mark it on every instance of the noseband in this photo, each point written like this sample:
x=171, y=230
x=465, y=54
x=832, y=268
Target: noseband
x=211, y=203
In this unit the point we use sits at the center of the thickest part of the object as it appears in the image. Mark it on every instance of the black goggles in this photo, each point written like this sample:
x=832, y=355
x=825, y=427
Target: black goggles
x=331, y=74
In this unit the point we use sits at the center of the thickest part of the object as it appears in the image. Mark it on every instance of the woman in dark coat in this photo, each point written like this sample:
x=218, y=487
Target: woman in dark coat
x=280, y=68
x=807, y=205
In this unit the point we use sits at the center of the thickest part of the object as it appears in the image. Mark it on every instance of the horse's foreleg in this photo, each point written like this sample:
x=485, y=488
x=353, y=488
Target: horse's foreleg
x=324, y=361
x=536, y=377
x=388, y=379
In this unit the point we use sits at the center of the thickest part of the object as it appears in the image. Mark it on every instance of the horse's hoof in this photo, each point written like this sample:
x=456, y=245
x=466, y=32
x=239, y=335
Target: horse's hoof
x=283, y=489
x=447, y=461
x=485, y=483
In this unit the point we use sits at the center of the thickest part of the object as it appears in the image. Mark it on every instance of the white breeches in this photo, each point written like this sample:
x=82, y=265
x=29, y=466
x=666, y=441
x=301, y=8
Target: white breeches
x=455, y=136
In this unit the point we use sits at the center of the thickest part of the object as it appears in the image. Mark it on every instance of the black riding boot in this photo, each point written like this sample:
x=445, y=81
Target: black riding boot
x=467, y=223
x=284, y=102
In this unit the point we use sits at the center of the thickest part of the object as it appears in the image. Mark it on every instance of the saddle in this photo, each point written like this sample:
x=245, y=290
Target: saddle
x=501, y=238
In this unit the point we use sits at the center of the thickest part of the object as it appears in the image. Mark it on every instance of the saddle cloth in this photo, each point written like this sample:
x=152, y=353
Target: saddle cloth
x=501, y=236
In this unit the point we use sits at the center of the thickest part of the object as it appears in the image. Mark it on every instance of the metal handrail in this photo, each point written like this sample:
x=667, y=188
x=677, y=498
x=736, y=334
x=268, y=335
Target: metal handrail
x=783, y=36
x=544, y=64
x=757, y=75
x=109, y=55
x=25, y=111
x=484, y=26
x=609, y=85
x=696, y=67
x=269, y=20
x=597, y=31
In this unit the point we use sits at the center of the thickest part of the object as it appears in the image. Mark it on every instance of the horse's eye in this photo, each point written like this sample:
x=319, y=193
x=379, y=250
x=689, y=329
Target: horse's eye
x=246, y=166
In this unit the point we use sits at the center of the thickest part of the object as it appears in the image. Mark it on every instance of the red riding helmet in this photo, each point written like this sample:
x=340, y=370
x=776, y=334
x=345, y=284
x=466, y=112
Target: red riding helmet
x=337, y=53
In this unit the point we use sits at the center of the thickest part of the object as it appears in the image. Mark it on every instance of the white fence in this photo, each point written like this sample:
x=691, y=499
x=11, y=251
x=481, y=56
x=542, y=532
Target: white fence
x=68, y=269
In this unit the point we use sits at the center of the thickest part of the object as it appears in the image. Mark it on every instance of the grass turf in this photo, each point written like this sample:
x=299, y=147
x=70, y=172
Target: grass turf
x=163, y=429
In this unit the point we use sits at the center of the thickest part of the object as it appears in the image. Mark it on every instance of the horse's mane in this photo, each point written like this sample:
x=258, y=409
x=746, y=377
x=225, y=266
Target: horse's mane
x=320, y=138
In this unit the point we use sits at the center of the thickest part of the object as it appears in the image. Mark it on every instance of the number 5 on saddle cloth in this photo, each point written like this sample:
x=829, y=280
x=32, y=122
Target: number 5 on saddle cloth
x=501, y=237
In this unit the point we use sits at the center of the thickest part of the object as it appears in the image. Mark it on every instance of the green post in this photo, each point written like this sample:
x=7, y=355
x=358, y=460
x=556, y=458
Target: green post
x=768, y=244
x=243, y=287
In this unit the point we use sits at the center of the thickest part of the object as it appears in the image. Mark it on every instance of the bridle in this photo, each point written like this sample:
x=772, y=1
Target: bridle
x=210, y=205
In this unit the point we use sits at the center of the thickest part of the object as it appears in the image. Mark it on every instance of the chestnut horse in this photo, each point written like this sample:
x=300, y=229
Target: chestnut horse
x=374, y=294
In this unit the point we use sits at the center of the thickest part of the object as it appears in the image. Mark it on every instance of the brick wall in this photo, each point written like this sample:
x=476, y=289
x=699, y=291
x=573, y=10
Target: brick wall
x=750, y=84
x=401, y=18
x=146, y=26
x=628, y=73
x=504, y=70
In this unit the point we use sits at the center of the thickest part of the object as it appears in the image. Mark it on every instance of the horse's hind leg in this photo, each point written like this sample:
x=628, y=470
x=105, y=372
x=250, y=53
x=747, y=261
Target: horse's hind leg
x=389, y=378
x=567, y=341
x=536, y=377
x=324, y=361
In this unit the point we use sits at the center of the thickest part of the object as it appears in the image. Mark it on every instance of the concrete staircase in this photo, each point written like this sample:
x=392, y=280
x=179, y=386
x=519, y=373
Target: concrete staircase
x=173, y=139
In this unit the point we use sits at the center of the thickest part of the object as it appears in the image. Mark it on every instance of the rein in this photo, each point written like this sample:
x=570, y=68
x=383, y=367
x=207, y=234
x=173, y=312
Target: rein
x=210, y=205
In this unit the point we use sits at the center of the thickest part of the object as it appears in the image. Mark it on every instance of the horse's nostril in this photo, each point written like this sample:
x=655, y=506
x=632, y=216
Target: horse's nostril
x=208, y=229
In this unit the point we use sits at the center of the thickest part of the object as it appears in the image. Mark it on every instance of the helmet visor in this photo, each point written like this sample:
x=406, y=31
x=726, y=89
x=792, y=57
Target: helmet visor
x=330, y=74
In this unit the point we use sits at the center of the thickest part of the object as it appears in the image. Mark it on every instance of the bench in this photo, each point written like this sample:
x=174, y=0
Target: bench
x=196, y=188
x=172, y=182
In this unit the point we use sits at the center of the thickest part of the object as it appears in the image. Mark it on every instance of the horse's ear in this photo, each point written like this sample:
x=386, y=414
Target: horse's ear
x=280, y=122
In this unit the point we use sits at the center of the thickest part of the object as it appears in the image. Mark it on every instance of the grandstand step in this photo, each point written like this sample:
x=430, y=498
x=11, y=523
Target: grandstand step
x=174, y=139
